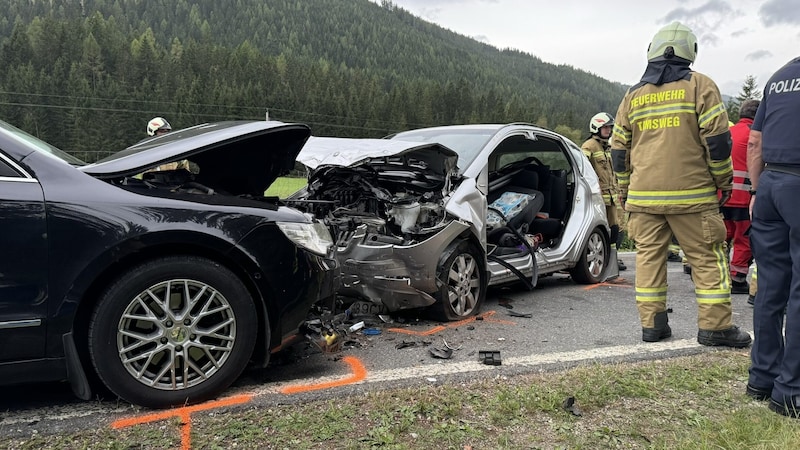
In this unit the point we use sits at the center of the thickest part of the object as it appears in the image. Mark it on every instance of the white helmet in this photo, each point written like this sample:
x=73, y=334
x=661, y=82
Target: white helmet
x=157, y=123
x=600, y=120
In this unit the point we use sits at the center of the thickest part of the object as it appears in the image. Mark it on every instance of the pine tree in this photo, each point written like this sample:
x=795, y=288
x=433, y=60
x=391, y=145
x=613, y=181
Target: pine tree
x=749, y=91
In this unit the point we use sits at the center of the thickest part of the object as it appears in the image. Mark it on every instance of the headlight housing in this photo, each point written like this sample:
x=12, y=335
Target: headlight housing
x=313, y=237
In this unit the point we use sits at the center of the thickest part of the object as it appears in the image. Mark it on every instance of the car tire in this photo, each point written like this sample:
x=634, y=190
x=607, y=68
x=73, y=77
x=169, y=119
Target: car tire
x=462, y=282
x=158, y=354
x=593, y=261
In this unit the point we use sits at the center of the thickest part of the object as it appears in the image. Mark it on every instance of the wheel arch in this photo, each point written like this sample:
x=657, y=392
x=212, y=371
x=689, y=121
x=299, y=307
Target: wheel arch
x=606, y=235
x=102, y=279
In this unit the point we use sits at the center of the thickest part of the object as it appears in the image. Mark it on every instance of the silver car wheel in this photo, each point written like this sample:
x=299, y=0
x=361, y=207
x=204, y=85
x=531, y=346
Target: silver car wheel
x=464, y=284
x=595, y=254
x=176, y=334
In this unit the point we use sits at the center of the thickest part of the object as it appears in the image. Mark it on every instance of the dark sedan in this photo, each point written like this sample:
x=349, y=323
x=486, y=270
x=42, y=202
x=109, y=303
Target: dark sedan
x=161, y=285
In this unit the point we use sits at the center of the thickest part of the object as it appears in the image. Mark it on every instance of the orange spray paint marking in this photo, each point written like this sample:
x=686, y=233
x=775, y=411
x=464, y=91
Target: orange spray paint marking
x=359, y=374
x=185, y=414
x=487, y=317
x=621, y=282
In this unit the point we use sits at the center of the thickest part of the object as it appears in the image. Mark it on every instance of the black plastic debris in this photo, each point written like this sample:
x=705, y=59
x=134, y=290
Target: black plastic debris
x=491, y=357
x=441, y=353
x=513, y=313
x=505, y=303
x=569, y=405
x=405, y=344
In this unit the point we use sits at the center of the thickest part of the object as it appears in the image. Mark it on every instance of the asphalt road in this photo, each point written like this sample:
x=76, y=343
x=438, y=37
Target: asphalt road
x=569, y=324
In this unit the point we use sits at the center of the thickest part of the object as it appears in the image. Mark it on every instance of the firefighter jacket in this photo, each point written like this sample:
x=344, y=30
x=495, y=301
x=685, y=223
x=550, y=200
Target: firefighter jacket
x=599, y=154
x=740, y=197
x=671, y=146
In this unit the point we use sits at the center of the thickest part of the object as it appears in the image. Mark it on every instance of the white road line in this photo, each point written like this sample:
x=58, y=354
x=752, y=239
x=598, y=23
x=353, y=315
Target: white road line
x=419, y=372
x=434, y=370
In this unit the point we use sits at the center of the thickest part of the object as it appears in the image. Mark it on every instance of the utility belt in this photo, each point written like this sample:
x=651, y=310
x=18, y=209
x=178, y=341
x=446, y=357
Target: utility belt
x=783, y=168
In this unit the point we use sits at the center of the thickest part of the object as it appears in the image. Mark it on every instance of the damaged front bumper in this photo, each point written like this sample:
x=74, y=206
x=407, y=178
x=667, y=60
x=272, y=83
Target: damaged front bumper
x=399, y=276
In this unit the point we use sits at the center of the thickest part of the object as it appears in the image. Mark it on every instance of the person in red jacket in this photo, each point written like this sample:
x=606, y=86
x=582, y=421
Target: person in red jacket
x=736, y=211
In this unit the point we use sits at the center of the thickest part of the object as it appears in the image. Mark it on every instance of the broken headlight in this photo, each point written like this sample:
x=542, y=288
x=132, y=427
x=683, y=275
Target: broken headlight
x=313, y=237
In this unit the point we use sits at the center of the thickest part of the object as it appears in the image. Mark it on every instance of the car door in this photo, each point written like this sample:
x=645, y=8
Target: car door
x=23, y=264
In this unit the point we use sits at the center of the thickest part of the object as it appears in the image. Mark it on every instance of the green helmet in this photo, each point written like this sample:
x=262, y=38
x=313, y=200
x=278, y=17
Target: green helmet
x=674, y=39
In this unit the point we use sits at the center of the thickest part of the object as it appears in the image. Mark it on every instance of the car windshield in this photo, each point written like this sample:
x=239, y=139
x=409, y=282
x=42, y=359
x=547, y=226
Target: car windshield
x=467, y=142
x=39, y=145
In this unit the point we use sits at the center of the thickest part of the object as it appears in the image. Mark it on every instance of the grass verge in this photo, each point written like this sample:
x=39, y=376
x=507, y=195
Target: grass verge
x=284, y=186
x=694, y=402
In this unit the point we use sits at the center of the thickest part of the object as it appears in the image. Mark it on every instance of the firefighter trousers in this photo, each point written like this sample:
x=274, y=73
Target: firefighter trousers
x=702, y=238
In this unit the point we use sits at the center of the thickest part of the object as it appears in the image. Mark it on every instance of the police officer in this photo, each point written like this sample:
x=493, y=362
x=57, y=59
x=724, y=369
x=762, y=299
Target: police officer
x=773, y=156
x=596, y=148
x=671, y=153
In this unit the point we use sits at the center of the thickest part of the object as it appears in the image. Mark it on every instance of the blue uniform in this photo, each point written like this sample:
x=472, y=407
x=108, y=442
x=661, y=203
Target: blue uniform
x=775, y=239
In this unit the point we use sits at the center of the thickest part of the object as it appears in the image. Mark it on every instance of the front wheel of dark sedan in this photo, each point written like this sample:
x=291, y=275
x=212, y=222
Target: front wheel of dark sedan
x=462, y=277
x=173, y=331
x=593, y=261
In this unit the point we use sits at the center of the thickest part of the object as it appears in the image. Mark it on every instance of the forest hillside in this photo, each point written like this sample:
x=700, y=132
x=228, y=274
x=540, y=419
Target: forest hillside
x=87, y=75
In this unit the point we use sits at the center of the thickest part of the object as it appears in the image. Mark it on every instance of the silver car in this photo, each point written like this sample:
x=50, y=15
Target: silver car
x=432, y=217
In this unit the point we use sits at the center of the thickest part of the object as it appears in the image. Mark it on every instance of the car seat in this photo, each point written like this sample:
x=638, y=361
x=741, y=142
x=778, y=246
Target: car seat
x=517, y=206
x=550, y=222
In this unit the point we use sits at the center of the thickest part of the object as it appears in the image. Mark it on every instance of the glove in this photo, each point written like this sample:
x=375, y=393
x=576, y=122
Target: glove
x=622, y=199
x=726, y=195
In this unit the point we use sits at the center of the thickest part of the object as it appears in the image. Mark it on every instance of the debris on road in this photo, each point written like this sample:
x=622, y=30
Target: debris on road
x=406, y=344
x=505, y=303
x=441, y=353
x=519, y=314
x=491, y=357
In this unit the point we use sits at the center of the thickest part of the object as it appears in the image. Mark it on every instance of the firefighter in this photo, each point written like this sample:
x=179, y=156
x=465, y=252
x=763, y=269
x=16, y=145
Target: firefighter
x=158, y=126
x=671, y=153
x=753, y=288
x=596, y=148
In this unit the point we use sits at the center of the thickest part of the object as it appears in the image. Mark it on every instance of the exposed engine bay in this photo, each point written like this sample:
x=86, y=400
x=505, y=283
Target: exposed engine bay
x=399, y=199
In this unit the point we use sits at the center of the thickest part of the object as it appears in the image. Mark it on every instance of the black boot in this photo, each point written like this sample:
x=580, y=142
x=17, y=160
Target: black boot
x=660, y=331
x=739, y=287
x=732, y=337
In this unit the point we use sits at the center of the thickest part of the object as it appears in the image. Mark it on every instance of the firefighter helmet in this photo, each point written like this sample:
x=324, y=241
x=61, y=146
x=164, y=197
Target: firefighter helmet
x=156, y=124
x=600, y=120
x=674, y=39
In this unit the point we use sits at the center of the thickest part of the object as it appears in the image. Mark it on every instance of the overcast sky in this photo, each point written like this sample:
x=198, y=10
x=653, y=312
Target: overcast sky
x=736, y=38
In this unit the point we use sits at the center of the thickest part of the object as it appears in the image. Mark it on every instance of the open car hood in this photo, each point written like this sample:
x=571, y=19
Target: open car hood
x=348, y=152
x=239, y=157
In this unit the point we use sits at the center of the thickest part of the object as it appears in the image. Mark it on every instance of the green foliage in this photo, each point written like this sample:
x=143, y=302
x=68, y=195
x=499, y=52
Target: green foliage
x=572, y=133
x=749, y=91
x=87, y=76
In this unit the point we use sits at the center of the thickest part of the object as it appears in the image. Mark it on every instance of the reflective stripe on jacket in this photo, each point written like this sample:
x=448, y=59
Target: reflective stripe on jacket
x=671, y=146
x=600, y=157
x=740, y=197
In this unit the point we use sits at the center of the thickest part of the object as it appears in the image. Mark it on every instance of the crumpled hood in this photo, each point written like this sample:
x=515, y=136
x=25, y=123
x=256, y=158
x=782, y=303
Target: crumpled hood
x=237, y=157
x=348, y=152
